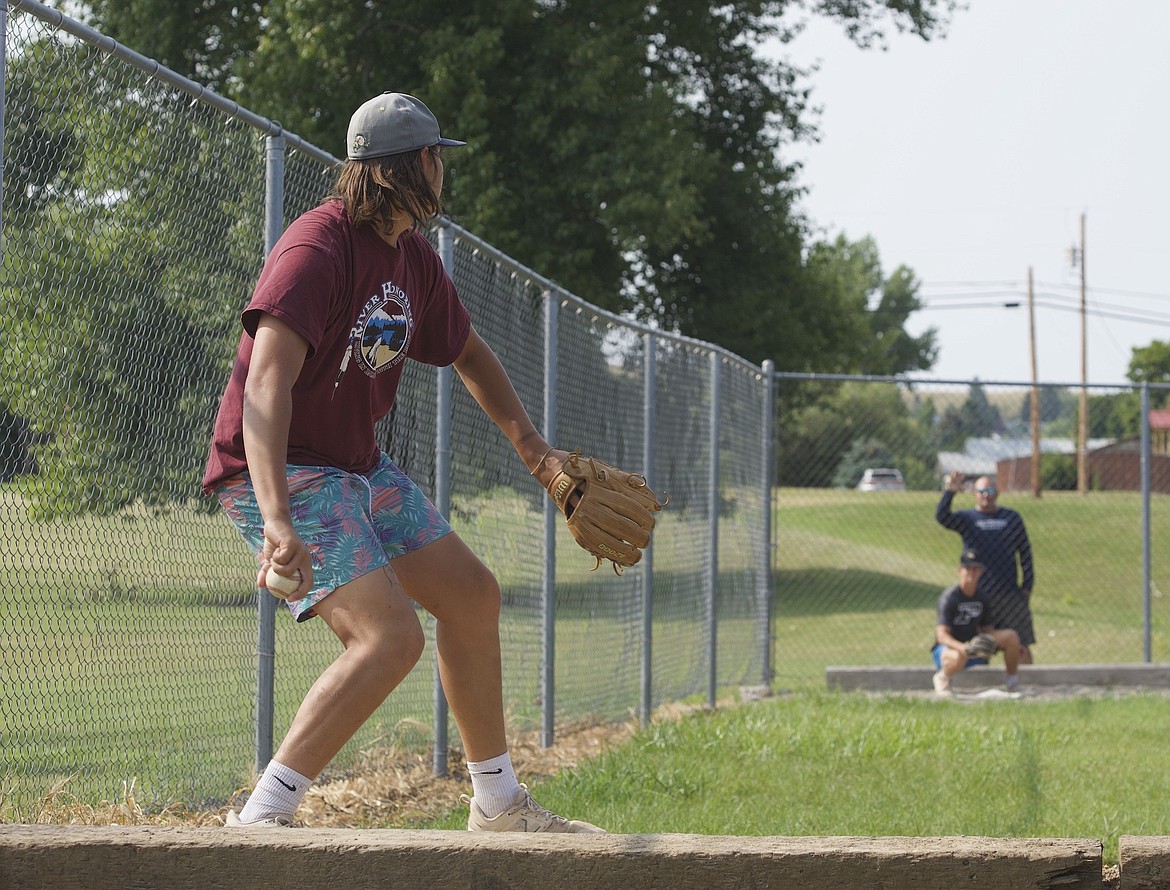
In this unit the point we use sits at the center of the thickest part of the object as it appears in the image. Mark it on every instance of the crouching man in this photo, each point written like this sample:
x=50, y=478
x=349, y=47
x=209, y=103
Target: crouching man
x=965, y=622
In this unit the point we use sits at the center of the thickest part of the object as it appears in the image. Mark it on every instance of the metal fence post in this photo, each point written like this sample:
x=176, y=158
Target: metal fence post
x=764, y=585
x=266, y=618
x=548, y=599
x=713, y=534
x=3, y=102
x=1147, y=617
x=442, y=497
x=648, y=557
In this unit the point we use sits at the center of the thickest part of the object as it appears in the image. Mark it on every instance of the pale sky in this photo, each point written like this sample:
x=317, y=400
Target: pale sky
x=972, y=157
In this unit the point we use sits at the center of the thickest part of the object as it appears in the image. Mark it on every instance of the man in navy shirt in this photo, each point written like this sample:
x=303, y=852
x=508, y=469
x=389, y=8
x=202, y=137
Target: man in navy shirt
x=1000, y=538
x=963, y=612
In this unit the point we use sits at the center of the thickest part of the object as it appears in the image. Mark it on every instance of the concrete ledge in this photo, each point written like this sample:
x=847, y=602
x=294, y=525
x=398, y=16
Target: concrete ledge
x=1145, y=862
x=984, y=676
x=113, y=858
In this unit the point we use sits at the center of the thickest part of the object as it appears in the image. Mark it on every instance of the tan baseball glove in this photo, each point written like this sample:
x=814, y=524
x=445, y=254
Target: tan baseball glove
x=982, y=646
x=614, y=516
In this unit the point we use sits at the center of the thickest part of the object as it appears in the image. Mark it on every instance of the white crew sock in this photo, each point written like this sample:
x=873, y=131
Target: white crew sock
x=278, y=793
x=493, y=784
x=1013, y=680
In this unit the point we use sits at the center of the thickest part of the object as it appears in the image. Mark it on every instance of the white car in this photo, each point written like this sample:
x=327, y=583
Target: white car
x=881, y=479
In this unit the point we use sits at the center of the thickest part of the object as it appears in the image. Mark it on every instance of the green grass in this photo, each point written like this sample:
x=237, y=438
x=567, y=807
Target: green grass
x=128, y=650
x=825, y=764
x=858, y=576
x=127, y=642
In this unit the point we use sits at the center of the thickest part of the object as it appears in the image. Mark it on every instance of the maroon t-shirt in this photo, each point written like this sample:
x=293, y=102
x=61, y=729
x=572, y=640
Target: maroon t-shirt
x=364, y=307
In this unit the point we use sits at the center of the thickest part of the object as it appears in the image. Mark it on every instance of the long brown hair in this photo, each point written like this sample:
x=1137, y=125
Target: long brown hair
x=373, y=190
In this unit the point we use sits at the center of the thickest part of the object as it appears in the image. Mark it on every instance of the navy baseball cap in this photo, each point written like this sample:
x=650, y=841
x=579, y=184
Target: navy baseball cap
x=970, y=559
x=390, y=124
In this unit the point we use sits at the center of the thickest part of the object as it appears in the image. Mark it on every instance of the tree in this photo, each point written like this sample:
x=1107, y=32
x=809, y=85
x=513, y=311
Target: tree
x=982, y=417
x=1119, y=415
x=821, y=441
x=893, y=350
x=1150, y=364
x=630, y=152
x=577, y=160
x=842, y=275
x=1115, y=416
x=120, y=309
x=864, y=452
x=975, y=417
x=846, y=278
x=204, y=40
x=1058, y=472
x=1053, y=403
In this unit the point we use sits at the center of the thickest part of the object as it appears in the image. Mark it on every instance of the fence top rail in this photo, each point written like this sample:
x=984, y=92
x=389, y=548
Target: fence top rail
x=557, y=290
x=110, y=46
x=911, y=381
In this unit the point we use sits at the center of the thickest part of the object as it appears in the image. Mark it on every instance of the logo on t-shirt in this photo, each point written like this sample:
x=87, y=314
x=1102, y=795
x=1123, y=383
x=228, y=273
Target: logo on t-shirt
x=991, y=524
x=969, y=612
x=382, y=331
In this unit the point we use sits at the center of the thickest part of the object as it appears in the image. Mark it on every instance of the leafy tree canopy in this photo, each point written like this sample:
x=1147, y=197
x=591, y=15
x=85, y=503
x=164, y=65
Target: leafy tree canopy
x=864, y=452
x=975, y=417
x=826, y=440
x=1150, y=364
x=1115, y=416
x=1119, y=415
x=109, y=325
x=864, y=313
x=631, y=152
x=1053, y=403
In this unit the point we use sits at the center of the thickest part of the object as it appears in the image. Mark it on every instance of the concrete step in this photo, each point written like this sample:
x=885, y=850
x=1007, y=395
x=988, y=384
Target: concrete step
x=1145, y=862
x=134, y=857
x=916, y=677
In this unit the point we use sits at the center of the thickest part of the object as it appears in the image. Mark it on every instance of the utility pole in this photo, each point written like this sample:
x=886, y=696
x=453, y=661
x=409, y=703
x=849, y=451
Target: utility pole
x=1035, y=419
x=1083, y=444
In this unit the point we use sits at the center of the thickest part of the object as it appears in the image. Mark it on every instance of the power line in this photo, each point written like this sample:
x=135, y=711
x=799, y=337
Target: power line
x=1004, y=283
x=1110, y=290
x=1104, y=313
x=1115, y=291
x=1099, y=308
x=1011, y=301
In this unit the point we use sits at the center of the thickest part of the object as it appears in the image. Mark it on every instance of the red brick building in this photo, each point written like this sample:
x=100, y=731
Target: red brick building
x=1112, y=467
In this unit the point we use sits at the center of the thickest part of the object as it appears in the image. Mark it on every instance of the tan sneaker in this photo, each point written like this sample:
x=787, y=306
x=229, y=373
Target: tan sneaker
x=942, y=683
x=233, y=821
x=525, y=814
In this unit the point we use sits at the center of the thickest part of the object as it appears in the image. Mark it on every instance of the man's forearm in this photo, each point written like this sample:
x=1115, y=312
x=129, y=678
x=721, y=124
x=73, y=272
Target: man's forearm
x=942, y=512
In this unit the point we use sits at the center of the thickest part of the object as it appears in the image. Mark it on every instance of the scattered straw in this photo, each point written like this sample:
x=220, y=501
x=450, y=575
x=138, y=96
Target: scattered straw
x=395, y=788
x=389, y=785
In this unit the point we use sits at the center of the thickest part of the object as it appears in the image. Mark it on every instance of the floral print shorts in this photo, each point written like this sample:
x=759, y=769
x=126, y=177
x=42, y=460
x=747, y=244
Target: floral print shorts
x=352, y=523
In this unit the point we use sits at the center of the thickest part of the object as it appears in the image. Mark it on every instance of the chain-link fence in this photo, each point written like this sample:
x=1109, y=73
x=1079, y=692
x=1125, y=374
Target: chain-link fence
x=861, y=559
x=133, y=648
x=137, y=208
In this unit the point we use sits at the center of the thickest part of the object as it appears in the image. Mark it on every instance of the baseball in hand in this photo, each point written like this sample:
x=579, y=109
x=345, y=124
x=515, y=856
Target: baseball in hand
x=280, y=585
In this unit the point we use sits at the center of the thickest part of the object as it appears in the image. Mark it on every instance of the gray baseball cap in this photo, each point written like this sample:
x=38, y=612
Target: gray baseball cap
x=390, y=124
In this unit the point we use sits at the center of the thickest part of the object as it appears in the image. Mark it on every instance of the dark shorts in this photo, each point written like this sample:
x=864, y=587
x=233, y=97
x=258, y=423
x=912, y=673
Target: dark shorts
x=1013, y=609
x=352, y=523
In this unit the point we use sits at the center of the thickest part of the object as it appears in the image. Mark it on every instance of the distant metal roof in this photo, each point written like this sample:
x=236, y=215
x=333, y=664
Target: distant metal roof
x=949, y=461
x=982, y=454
